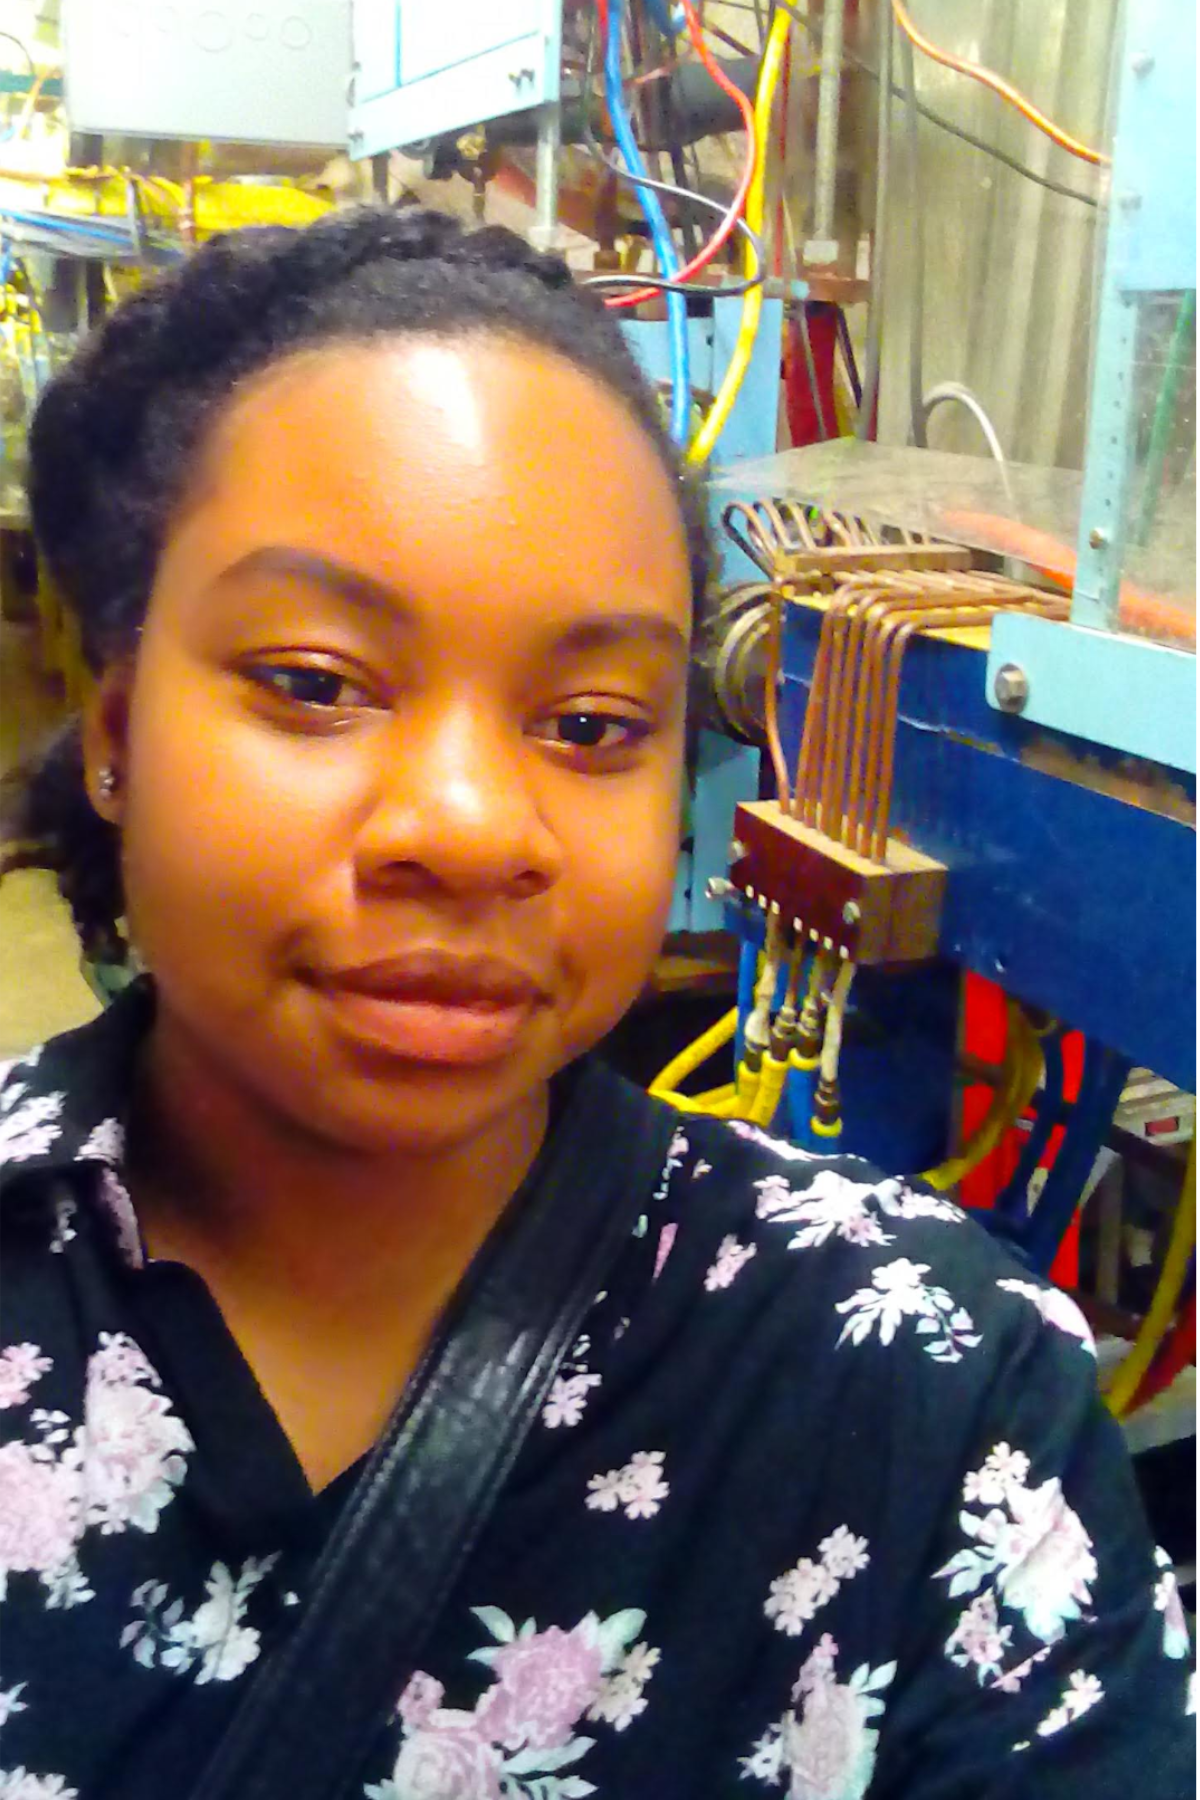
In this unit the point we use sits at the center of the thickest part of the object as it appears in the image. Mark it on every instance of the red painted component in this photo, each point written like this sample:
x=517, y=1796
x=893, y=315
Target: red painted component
x=801, y=409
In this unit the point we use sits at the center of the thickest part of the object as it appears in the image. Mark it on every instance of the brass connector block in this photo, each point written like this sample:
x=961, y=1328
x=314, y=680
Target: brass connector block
x=873, y=912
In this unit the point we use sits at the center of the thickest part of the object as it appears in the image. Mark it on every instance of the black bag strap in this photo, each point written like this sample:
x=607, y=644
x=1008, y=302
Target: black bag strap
x=309, y=1720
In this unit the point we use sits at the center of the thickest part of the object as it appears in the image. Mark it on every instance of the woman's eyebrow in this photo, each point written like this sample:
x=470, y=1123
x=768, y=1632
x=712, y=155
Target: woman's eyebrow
x=326, y=572
x=597, y=631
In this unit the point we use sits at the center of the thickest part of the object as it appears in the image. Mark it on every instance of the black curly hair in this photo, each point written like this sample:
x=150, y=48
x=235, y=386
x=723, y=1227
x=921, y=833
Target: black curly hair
x=117, y=433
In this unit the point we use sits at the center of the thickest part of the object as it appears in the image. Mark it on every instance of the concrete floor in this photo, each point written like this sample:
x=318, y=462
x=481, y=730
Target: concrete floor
x=41, y=988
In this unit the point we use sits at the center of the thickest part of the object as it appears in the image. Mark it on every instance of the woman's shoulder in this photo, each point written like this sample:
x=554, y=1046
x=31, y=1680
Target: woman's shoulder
x=869, y=1259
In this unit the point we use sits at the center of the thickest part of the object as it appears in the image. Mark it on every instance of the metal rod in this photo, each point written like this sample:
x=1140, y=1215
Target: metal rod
x=828, y=109
x=549, y=160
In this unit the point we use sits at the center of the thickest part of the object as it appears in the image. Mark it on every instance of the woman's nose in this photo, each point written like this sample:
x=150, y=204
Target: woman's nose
x=456, y=807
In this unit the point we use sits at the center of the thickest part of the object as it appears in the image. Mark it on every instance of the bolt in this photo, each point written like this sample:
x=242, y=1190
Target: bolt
x=737, y=851
x=851, y=912
x=1141, y=63
x=717, y=888
x=1011, y=688
x=1098, y=538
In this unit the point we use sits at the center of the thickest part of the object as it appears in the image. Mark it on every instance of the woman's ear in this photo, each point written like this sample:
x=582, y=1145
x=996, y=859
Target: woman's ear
x=106, y=740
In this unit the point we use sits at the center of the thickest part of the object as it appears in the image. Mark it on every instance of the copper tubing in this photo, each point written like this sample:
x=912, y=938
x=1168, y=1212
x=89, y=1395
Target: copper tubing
x=840, y=676
x=840, y=795
x=771, y=702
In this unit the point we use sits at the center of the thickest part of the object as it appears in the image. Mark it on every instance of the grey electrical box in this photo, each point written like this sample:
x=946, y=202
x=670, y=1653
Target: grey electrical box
x=270, y=72
x=422, y=67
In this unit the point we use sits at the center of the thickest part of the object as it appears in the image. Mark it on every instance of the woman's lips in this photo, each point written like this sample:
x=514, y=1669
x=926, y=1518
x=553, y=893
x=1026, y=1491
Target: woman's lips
x=451, y=1033
x=430, y=1005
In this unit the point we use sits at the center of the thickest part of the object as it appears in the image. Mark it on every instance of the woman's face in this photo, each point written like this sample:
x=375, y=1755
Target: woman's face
x=400, y=756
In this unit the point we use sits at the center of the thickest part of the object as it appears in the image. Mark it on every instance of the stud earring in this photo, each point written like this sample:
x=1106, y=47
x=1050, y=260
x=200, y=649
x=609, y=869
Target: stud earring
x=106, y=781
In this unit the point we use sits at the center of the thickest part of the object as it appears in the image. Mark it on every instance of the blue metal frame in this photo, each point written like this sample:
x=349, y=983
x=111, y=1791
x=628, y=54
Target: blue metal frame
x=1066, y=895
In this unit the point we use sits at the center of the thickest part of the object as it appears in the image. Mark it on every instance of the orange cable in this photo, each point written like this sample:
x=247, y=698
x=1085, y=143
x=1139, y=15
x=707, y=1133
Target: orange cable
x=1005, y=89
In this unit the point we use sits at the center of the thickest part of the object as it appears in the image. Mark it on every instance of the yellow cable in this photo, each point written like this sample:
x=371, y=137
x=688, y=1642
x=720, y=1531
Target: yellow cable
x=689, y=1060
x=771, y=1078
x=1022, y=1072
x=1123, y=1382
x=768, y=80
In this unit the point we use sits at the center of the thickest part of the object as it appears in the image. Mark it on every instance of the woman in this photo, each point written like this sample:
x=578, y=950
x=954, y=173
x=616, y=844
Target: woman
x=388, y=577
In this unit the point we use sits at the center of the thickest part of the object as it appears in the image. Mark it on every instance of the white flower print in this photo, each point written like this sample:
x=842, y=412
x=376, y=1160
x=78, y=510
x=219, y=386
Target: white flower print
x=774, y=1196
x=639, y=1487
x=567, y=1399
x=105, y=1143
x=622, y=1694
x=1030, y=1545
x=20, y=1366
x=1081, y=1693
x=701, y=1168
x=214, y=1641
x=844, y=1554
x=40, y=1521
x=131, y=1445
x=11, y=1702
x=832, y=1205
x=64, y=1232
x=826, y=1746
x=1058, y=1309
x=666, y=1243
x=1176, y=1642
x=22, y=1784
x=521, y=1741
x=795, y=1598
x=783, y=1151
x=731, y=1257
x=1193, y=1693
x=31, y=1126
x=898, y=1293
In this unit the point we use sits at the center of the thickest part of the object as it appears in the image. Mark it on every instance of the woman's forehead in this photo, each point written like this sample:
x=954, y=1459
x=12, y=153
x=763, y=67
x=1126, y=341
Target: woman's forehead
x=428, y=463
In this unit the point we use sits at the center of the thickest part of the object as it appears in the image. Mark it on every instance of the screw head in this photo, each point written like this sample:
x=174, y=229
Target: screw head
x=1011, y=688
x=851, y=912
x=717, y=888
x=1097, y=537
x=737, y=851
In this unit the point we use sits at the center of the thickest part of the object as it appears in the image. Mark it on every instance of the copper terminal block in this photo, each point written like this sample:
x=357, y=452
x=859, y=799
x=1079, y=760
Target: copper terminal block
x=872, y=912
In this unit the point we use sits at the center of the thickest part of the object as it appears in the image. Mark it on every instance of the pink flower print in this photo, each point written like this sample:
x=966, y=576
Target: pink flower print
x=774, y=1196
x=133, y=1447
x=20, y=1366
x=639, y=1487
x=544, y=1685
x=794, y=1598
x=447, y=1760
x=114, y=1200
x=1057, y=1308
x=829, y=1752
x=420, y=1700
x=818, y=1668
x=1047, y=1558
x=979, y=1640
x=1003, y=1470
x=731, y=1256
x=666, y=1243
x=39, y=1513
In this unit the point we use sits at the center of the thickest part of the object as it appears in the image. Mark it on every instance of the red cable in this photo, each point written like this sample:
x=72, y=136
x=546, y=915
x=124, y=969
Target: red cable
x=728, y=224
x=1175, y=1354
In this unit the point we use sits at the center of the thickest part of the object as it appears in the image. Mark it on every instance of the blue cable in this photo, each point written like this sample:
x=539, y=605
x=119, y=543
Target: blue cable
x=1100, y=1088
x=1014, y=1198
x=800, y=1105
x=656, y=219
x=747, y=972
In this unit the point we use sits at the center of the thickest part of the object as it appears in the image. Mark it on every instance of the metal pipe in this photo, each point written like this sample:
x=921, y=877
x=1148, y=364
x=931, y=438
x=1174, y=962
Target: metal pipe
x=823, y=246
x=549, y=160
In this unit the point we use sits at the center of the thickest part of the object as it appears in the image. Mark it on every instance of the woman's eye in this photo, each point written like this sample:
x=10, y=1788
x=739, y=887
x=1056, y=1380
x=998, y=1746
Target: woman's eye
x=587, y=730
x=310, y=685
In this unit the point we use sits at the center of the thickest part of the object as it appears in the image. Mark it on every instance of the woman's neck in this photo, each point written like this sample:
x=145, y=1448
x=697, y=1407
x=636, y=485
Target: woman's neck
x=243, y=1195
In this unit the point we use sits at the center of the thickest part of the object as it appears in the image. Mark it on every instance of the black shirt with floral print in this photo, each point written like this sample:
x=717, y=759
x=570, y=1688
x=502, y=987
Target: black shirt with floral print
x=823, y=1503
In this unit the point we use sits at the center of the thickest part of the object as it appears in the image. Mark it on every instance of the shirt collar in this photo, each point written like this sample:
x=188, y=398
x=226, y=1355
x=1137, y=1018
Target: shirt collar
x=65, y=1103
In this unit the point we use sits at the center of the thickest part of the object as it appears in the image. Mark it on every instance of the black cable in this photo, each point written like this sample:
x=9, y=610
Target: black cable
x=943, y=124
x=11, y=38
x=846, y=345
x=727, y=290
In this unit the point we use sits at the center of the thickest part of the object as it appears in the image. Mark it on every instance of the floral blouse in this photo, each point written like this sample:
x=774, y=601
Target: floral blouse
x=823, y=1503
